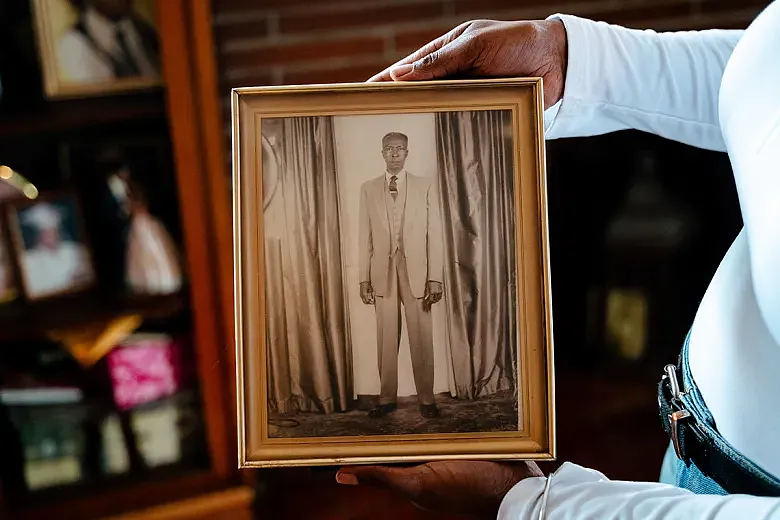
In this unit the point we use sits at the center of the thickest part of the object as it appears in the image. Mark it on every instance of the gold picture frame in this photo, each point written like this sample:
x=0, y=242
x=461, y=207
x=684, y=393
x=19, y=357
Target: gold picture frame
x=80, y=58
x=298, y=367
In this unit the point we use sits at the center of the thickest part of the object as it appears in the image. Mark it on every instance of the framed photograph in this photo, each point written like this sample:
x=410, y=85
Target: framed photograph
x=129, y=195
x=97, y=47
x=391, y=273
x=51, y=246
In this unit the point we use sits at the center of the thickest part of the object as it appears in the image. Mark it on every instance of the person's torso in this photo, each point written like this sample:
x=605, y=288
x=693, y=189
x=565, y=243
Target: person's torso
x=98, y=51
x=394, y=209
x=734, y=358
x=52, y=270
x=413, y=221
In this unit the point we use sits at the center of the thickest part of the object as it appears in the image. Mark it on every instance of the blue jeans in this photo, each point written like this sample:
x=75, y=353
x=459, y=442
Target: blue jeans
x=674, y=471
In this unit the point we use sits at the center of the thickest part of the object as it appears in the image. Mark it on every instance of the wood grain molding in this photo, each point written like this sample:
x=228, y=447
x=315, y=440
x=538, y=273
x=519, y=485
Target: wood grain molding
x=184, y=57
x=234, y=504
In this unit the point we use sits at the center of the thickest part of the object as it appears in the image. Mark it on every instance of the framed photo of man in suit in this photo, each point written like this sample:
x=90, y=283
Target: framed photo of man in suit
x=391, y=276
x=97, y=47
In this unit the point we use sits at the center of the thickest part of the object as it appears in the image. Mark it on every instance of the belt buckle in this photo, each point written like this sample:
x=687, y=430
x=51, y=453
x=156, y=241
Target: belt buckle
x=674, y=424
x=675, y=418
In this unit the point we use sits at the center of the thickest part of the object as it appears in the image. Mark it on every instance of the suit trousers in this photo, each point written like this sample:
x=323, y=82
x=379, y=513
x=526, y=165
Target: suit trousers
x=419, y=325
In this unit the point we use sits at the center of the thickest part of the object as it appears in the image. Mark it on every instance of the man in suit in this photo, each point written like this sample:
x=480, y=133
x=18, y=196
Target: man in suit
x=108, y=41
x=401, y=261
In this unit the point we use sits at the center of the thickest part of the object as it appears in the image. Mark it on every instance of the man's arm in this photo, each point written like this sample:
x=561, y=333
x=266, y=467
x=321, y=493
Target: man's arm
x=435, y=239
x=586, y=493
x=662, y=83
x=365, y=242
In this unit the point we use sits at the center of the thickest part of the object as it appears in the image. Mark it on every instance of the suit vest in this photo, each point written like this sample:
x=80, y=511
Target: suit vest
x=395, y=210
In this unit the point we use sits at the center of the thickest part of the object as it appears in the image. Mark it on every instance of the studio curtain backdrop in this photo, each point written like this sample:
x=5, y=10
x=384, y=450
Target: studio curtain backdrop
x=476, y=190
x=310, y=358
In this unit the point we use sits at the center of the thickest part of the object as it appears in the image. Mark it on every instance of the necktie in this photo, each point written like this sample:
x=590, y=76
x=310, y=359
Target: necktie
x=125, y=65
x=393, y=186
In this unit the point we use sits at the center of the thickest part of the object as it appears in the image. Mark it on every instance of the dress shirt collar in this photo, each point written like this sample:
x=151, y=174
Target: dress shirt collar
x=401, y=176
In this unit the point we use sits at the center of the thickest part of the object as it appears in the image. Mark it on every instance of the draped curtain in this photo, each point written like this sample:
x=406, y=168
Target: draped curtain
x=476, y=189
x=310, y=357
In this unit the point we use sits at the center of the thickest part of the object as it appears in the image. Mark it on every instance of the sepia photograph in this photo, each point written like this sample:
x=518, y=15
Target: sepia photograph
x=391, y=287
x=97, y=47
x=408, y=224
x=52, y=251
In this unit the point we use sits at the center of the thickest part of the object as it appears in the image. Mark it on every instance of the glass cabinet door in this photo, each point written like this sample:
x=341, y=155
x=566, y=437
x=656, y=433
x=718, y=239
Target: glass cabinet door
x=99, y=385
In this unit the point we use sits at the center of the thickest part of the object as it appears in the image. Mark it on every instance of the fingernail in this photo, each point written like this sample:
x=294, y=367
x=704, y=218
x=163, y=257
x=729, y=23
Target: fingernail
x=401, y=70
x=347, y=479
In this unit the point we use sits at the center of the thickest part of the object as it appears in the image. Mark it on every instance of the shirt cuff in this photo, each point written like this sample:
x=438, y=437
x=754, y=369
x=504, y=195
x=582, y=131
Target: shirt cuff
x=523, y=500
x=549, y=116
x=559, y=117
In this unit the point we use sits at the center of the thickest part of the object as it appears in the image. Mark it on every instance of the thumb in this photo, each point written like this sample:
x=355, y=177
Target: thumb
x=403, y=480
x=439, y=63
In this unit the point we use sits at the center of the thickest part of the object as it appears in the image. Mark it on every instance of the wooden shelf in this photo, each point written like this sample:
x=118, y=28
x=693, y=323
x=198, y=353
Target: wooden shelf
x=104, y=500
x=30, y=322
x=36, y=134
x=69, y=115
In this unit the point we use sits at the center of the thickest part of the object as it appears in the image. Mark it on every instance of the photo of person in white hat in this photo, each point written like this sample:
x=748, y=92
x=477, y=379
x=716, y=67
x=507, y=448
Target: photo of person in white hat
x=53, y=260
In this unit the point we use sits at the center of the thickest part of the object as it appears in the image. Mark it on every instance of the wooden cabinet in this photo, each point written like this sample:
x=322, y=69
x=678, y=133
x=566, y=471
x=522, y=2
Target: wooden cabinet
x=193, y=479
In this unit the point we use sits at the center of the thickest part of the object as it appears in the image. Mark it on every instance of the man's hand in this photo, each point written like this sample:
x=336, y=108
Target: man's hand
x=486, y=48
x=433, y=293
x=462, y=487
x=367, y=293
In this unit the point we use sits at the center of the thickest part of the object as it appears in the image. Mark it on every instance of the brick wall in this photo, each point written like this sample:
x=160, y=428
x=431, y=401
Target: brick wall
x=262, y=42
x=278, y=42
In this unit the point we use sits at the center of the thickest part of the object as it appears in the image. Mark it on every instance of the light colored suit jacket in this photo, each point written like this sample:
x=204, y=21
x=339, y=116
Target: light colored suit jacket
x=422, y=234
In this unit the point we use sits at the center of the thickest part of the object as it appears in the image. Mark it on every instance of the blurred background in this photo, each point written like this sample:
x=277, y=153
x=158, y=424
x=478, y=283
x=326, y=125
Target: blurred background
x=116, y=341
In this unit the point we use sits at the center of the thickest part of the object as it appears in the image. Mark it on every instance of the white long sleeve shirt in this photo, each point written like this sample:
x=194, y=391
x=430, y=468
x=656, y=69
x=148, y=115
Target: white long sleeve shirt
x=717, y=90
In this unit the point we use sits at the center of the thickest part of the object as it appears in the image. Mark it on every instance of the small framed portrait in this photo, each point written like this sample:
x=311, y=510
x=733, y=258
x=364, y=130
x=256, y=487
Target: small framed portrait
x=51, y=246
x=391, y=273
x=97, y=47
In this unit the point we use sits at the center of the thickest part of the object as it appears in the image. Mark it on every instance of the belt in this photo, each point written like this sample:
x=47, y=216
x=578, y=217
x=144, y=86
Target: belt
x=702, y=446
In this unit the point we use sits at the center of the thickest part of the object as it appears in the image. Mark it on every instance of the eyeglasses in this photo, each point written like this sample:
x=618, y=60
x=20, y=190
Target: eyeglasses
x=388, y=149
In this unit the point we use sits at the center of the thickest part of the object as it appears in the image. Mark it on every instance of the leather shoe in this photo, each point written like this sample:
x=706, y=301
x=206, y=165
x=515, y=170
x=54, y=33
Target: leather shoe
x=382, y=410
x=429, y=411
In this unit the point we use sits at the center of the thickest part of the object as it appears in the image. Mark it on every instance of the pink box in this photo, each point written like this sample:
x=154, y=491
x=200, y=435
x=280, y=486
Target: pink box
x=145, y=368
